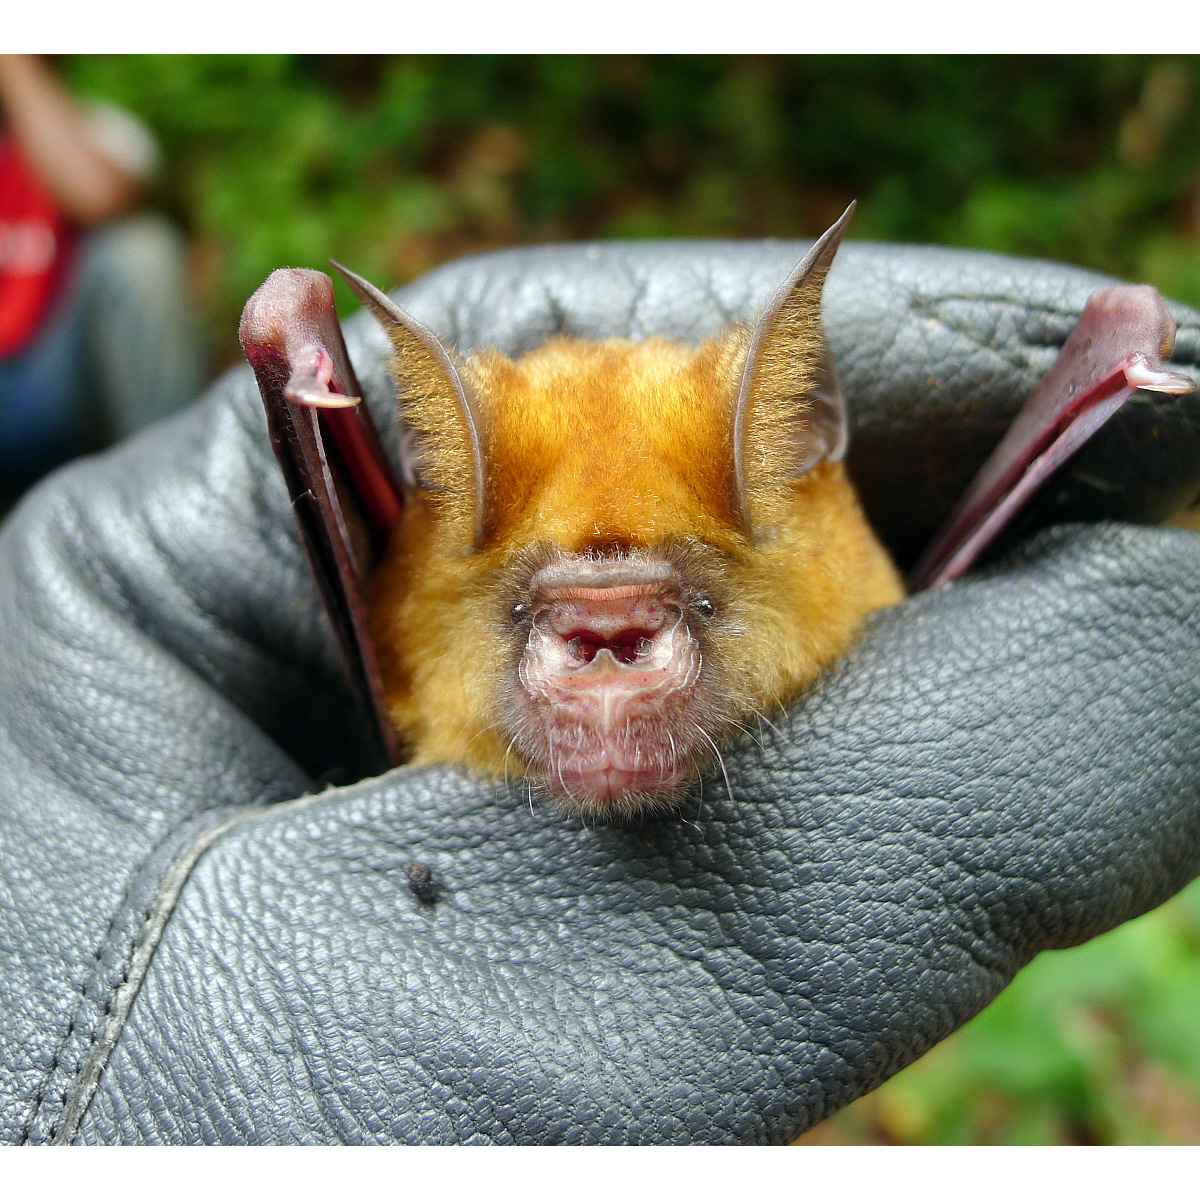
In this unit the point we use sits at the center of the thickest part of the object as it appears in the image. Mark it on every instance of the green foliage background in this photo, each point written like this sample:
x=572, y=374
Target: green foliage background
x=393, y=165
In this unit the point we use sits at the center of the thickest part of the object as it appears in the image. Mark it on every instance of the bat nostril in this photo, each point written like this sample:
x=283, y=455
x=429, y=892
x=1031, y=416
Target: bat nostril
x=624, y=653
x=625, y=645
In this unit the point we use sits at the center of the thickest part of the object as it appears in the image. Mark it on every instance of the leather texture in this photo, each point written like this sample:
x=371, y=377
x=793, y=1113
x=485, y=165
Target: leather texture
x=206, y=927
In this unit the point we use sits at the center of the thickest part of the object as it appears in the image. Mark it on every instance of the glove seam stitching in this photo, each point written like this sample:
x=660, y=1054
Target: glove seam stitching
x=43, y=1087
x=105, y=1035
x=82, y=988
x=107, y=1030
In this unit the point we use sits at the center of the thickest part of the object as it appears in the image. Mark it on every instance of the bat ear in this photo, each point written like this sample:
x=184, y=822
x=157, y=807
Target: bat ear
x=434, y=403
x=788, y=411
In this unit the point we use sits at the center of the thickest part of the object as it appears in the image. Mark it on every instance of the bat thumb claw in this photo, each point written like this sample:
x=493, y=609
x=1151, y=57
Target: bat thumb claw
x=316, y=398
x=1151, y=377
x=309, y=381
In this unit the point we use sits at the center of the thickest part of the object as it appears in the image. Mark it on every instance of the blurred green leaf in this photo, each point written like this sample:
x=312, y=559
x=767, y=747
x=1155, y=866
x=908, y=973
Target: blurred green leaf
x=1095, y=1044
x=400, y=163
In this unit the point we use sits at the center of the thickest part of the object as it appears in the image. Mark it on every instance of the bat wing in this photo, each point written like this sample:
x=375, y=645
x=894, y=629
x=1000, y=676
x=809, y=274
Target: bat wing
x=1117, y=347
x=344, y=493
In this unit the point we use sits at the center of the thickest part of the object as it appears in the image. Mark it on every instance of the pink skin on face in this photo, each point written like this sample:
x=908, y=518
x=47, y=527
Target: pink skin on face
x=607, y=672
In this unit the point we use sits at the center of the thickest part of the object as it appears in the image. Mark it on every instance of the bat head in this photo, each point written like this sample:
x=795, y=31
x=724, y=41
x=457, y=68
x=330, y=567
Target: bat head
x=620, y=550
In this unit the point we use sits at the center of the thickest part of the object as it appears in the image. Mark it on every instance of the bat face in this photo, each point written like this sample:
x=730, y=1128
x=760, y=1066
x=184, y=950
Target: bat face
x=621, y=552
x=609, y=500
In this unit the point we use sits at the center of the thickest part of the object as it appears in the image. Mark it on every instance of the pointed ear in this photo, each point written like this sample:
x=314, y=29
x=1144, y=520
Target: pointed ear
x=788, y=412
x=434, y=402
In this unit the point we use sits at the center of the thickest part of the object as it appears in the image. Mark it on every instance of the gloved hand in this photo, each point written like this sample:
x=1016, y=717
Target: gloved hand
x=201, y=941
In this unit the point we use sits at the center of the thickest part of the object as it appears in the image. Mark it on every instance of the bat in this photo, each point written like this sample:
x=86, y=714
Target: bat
x=608, y=556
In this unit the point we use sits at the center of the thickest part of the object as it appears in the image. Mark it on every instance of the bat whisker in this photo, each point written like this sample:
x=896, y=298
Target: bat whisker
x=750, y=732
x=699, y=801
x=720, y=760
x=770, y=724
x=507, y=754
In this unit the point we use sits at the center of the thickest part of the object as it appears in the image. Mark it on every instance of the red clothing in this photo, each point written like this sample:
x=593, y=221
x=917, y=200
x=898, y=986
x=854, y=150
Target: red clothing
x=35, y=246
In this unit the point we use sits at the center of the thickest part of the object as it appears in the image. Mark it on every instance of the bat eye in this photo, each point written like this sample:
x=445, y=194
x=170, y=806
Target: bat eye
x=704, y=606
x=518, y=614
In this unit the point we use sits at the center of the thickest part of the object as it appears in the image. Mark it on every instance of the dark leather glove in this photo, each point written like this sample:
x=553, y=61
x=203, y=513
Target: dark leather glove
x=200, y=944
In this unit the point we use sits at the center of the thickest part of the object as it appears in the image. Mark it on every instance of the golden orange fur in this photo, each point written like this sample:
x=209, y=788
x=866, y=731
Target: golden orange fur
x=594, y=445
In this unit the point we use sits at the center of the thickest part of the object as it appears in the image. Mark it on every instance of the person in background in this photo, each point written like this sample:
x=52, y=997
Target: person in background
x=97, y=338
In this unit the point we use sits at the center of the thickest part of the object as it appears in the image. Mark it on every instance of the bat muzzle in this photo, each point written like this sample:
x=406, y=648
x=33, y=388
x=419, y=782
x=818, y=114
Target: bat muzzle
x=608, y=679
